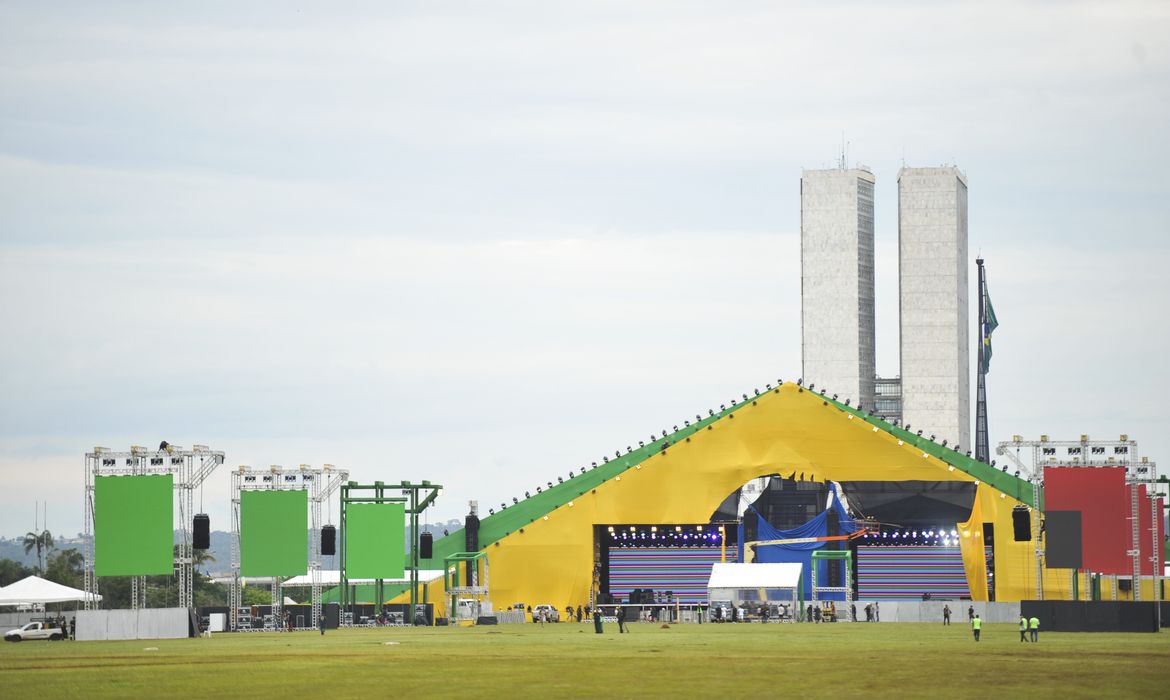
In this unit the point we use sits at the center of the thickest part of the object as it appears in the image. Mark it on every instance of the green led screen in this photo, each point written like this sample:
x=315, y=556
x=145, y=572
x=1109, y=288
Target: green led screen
x=133, y=525
x=274, y=533
x=375, y=540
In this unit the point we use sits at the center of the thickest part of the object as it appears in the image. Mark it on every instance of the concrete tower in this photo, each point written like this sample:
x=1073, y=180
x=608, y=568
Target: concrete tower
x=836, y=282
x=932, y=289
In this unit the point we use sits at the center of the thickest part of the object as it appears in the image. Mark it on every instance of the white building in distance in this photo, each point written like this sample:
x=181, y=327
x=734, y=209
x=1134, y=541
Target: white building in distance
x=932, y=289
x=837, y=282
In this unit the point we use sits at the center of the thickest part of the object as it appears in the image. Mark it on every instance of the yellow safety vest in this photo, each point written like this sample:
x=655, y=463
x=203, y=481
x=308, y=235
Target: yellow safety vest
x=1035, y=623
x=976, y=623
x=1023, y=624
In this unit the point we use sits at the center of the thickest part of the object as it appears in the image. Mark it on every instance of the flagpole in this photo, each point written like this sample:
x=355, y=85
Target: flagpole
x=982, y=451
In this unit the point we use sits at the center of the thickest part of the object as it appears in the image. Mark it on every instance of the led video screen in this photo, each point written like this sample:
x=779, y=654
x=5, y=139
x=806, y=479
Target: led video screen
x=375, y=540
x=274, y=533
x=133, y=521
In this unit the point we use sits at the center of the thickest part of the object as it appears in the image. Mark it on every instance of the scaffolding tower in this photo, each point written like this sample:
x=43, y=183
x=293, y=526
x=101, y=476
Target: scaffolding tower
x=189, y=469
x=1123, y=452
x=321, y=484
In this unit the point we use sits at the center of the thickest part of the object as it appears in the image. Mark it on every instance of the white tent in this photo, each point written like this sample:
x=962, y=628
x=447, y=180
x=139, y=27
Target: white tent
x=755, y=583
x=35, y=589
x=333, y=578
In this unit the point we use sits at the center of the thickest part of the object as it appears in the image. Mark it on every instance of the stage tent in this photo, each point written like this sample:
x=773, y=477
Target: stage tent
x=755, y=583
x=36, y=590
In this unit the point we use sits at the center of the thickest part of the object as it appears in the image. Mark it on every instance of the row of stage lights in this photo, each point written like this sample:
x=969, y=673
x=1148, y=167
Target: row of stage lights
x=685, y=535
x=937, y=538
x=711, y=414
x=641, y=444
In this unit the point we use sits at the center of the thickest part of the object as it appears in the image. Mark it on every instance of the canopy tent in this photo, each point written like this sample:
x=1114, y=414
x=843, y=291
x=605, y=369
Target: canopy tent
x=756, y=583
x=35, y=589
x=333, y=578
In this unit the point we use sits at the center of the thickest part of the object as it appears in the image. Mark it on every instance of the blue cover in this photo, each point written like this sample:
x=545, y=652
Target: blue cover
x=802, y=553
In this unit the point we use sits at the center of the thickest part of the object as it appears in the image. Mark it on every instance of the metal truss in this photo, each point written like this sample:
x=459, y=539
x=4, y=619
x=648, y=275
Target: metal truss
x=1123, y=452
x=190, y=468
x=321, y=484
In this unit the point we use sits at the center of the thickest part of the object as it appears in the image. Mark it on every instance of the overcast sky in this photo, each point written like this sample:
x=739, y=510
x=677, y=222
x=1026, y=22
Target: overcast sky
x=486, y=243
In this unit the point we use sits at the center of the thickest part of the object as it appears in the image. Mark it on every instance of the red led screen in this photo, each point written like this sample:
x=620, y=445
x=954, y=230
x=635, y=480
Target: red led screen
x=1103, y=499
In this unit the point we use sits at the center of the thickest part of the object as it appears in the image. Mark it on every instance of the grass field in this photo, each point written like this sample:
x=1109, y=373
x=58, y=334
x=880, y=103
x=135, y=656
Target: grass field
x=569, y=660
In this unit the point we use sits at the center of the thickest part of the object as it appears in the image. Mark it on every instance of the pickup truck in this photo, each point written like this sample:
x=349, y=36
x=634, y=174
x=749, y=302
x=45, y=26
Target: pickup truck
x=34, y=630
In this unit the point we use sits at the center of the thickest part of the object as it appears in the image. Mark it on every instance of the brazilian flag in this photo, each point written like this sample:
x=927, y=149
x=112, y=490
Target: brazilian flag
x=989, y=325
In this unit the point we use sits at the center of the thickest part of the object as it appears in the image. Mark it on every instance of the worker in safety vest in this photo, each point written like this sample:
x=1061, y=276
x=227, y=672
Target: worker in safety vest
x=976, y=625
x=1034, y=625
x=1023, y=628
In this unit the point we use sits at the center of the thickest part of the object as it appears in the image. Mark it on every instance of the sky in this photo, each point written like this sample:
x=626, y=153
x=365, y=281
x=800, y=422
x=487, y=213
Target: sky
x=487, y=243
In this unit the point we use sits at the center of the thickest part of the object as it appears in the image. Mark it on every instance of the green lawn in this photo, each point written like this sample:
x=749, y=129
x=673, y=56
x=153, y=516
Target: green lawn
x=567, y=660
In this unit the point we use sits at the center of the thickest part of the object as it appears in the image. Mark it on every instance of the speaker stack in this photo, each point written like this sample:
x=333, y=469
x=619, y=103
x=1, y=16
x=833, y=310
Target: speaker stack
x=1021, y=524
x=328, y=540
x=201, y=532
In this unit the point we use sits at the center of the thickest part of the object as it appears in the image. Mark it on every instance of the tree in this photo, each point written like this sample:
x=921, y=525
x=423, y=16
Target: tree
x=42, y=542
x=65, y=568
x=12, y=571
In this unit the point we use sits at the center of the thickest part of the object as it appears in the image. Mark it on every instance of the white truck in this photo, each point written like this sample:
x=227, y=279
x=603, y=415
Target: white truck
x=35, y=630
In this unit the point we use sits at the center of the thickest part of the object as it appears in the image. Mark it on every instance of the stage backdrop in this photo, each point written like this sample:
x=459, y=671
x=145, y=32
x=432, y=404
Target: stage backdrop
x=133, y=521
x=274, y=533
x=375, y=540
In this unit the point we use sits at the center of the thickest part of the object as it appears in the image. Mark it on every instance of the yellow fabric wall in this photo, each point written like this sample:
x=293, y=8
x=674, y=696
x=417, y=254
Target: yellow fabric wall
x=549, y=561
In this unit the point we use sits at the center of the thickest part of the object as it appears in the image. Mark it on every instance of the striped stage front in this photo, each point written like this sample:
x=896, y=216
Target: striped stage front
x=682, y=570
x=906, y=573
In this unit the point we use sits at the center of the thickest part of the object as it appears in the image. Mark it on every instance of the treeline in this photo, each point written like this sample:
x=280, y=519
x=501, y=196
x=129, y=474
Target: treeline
x=66, y=567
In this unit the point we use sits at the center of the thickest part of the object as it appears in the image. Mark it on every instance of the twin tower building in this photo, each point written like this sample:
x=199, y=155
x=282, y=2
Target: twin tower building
x=932, y=392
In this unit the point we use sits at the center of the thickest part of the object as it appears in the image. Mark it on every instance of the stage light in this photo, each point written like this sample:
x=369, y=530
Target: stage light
x=1005, y=468
x=686, y=424
x=515, y=500
x=944, y=443
x=993, y=462
x=699, y=528
x=559, y=481
x=641, y=444
x=745, y=397
x=527, y=495
x=954, y=533
x=710, y=412
x=675, y=430
x=678, y=528
x=633, y=529
x=968, y=453
x=846, y=402
x=722, y=407
x=834, y=397
x=932, y=437
x=629, y=449
x=908, y=426
x=900, y=443
x=919, y=433
x=491, y=511
x=610, y=528
x=503, y=506
x=538, y=489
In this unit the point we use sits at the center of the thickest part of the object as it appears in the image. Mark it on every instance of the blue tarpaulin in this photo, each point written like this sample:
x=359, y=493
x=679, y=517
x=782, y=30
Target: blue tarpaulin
x=801, y=553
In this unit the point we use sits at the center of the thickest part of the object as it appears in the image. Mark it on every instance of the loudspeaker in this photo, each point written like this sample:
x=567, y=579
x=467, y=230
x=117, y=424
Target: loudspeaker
x=425, y=545
x=1022, y=524
x=201, y=536
x=1125, y=585
x=328, y=540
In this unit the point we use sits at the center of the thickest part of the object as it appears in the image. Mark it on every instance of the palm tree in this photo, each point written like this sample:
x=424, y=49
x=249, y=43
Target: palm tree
x=42, y=542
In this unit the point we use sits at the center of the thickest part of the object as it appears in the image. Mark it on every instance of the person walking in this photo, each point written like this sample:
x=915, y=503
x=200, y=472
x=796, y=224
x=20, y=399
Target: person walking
x=877, y=611
x=580, y=614
x=853, y=612
x=621, y=620
x=946, y=614
x=1034, y=627
x=976, y=625
x=1023, y=628
x=970, y=613
x=321, y=624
